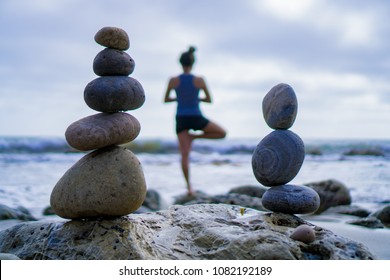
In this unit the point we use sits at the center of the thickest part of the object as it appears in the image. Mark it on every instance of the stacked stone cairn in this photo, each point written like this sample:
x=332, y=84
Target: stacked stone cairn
x=108, y=181
x=279, y=156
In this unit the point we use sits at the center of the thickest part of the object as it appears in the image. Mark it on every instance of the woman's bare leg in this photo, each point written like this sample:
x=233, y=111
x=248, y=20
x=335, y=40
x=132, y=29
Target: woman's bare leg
x=185, y=142
x=212, y=131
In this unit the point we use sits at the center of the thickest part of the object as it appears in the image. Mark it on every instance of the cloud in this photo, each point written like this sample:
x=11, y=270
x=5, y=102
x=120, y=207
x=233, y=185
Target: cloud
x=350, y=27
x=334, y=54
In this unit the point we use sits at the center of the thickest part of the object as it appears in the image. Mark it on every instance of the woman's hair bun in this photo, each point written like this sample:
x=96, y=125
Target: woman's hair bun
x=187, y=58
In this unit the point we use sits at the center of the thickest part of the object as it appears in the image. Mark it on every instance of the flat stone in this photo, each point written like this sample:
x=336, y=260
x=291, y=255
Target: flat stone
x=111, y=94
x=112, y=62
x=291, y=199
x=104, y=183
x=113, y=37
x=102, y=130
x=278, y=158
x=369, y=222
x=280, y=107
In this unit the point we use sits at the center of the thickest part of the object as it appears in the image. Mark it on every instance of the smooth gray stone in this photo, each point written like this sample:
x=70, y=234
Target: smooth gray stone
x=102, y=130
x=113, y=37
x=278, y=158
x=112, y=62
x=107, y=182
x=280, y=107
x=291, y=199
x=111, y=94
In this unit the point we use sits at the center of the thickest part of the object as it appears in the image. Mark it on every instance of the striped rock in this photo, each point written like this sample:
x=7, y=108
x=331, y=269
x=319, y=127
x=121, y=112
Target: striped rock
x=278, y=158
x=291, y=199
x=102, y=130
x=113, y=37
x=114, y=93
x=104, y=183
x=111, y=62
x=280, y=107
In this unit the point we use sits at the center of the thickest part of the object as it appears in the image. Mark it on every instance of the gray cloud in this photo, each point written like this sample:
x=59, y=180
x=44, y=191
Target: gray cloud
x=334, y=54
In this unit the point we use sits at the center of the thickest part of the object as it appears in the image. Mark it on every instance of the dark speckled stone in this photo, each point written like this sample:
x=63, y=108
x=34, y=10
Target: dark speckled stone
x=111, y=62
x=111, y=94
x=291, y=199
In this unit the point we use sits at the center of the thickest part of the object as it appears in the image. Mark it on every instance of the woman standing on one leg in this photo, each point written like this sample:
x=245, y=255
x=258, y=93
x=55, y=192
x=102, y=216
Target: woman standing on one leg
x=188, y=115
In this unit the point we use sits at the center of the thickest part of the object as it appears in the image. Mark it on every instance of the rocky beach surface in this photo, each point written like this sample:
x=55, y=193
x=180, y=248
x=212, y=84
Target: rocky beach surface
x=234, y=225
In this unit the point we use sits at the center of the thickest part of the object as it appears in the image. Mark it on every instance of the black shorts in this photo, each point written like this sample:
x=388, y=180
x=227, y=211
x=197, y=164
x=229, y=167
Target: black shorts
x=190, y=122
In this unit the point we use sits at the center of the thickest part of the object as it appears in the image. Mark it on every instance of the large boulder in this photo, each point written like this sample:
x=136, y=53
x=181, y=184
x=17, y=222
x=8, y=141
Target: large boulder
x=200, y=232
x=332, y=193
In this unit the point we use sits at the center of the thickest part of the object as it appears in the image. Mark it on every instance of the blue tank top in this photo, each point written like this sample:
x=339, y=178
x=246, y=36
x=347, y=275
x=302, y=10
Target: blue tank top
x=187, y=97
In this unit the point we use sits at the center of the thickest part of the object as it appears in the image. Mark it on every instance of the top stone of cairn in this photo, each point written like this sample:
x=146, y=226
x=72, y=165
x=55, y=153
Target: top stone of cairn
x=113, y=37
x=280, y=107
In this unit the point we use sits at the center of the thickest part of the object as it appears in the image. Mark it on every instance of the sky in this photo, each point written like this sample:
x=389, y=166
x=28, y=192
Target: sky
x=335, y=54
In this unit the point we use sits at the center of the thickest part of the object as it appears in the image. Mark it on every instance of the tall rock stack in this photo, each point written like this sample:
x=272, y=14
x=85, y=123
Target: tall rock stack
x=279, y=156
x=109, y=180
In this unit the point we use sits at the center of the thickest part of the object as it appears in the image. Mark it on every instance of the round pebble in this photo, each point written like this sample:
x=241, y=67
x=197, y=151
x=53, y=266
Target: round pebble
x=114, y=93
x=278, y=158
x=113, y=37
x=111, y=62
x=303, y=233
x=102, y=130
x=291, y=199
x=104, y=183
x=280, y=107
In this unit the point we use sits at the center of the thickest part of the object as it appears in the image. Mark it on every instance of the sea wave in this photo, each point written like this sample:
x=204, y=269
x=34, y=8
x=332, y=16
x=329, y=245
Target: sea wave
x=33, y=145
x=314, y=148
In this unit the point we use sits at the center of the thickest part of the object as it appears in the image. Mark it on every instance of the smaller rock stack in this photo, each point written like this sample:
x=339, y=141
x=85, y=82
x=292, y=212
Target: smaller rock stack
x=278, y=157
x=108, y=181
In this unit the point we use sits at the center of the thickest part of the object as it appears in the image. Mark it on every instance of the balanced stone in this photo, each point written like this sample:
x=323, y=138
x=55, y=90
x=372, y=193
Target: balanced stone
x=113, y=37
x=104, y=183
x=278, y=158
x=114, y=93
x=102, y=130
x=291, y=199
x=112, y=62
x=280, y=107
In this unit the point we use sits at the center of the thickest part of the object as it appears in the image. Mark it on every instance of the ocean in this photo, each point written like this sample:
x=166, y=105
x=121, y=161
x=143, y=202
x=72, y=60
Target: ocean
x=31, y=166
